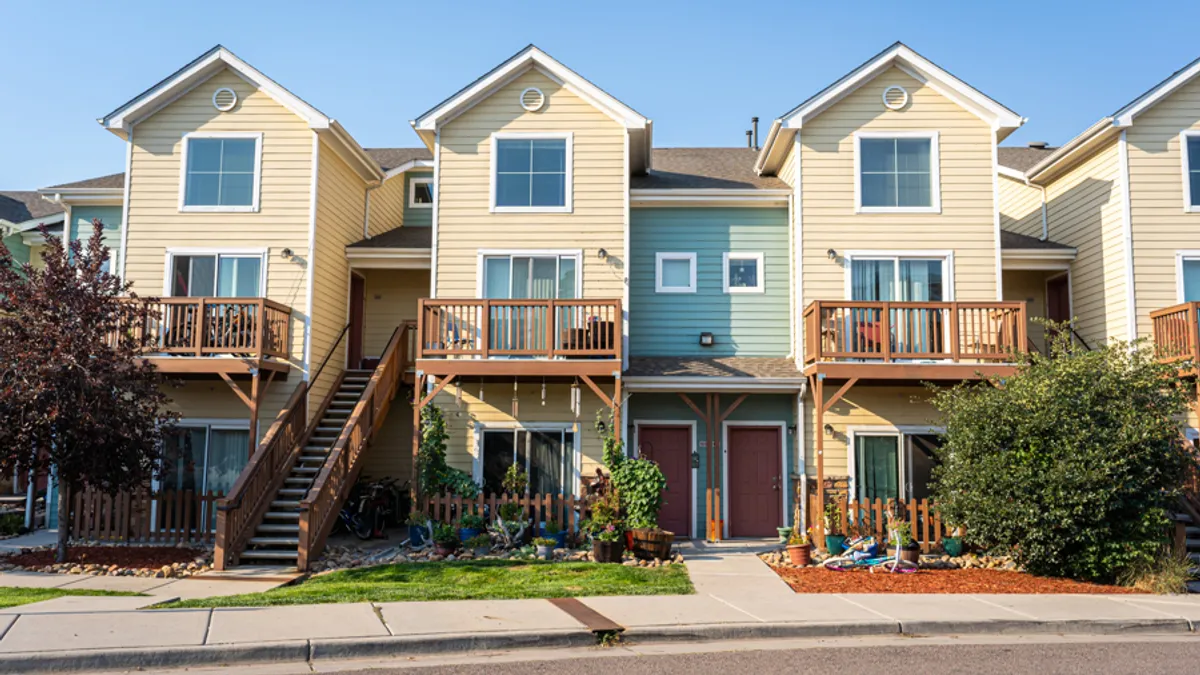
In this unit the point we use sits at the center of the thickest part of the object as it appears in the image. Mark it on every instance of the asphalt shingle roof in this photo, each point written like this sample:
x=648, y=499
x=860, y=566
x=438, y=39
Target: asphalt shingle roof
x=1022, y=158
x=390, y=158
x=18, y=206
x=732, y=366
x=111, y=181
x=401, y=237
x=1022, y=241
x=705, y=168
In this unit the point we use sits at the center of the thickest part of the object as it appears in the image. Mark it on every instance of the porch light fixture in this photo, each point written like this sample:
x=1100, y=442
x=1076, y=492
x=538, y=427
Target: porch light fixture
x=601, y=427
x=287, y=254
x=602, y=254
x=832, y=254
x=706, y=339
x=828, y=429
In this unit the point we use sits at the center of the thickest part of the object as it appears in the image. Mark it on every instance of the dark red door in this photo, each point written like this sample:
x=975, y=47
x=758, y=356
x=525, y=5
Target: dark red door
x=671, y=447
x=755, y=479
x=357, y=290
x=1058, y=299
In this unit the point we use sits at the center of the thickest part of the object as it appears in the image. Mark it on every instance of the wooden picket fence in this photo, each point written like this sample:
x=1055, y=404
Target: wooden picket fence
x=870, y=518
x=141, y=516
x=566, y=510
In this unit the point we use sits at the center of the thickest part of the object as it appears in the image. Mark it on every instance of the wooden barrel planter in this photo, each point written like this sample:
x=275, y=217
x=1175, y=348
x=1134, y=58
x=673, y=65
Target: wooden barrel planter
x=608, y=551
x=651, y=544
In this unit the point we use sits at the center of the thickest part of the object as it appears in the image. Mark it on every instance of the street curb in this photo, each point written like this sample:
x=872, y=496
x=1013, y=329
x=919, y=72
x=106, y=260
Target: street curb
x=408, y=645
x=154, y=657
x=751, y=631
x=1034, y=626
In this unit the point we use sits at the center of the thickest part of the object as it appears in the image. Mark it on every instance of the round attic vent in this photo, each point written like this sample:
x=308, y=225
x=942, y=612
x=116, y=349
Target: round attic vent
x=895, y=98
x=224, y=99
x=532, y=99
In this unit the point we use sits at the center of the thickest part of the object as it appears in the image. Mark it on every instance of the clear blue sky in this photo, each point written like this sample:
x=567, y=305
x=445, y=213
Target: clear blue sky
x=699, y=69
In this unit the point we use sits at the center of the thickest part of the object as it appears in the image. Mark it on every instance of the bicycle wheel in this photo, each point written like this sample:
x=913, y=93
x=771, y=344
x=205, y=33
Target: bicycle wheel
x=360, y=526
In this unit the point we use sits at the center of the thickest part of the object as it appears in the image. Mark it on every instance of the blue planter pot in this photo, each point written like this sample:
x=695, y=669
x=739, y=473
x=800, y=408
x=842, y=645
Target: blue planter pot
x=416, y=535
x=465, y=533
x=560, y=538
x=835, y=544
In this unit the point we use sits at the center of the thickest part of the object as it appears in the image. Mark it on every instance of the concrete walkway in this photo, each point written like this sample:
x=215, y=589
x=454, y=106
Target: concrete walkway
x=737, y=596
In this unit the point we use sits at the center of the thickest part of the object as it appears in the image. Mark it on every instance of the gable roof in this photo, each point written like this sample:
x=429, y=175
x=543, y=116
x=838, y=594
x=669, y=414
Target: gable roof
x=705, y=169
x=20, y=206
x=121, y=120
x=113, y=181
x=1125, y=115
x=783, y=129
x=427, y=124
x=394, y=158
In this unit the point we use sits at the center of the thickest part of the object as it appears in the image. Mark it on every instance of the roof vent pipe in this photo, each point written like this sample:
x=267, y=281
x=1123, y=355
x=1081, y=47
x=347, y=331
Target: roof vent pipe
x=1039, y=145
x=754, y=126
x=749, y=139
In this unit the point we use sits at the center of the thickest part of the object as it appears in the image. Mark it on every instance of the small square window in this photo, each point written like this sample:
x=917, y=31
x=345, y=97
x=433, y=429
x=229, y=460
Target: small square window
x=897, y=172
x=675, y=273
x=220, y=172
x=743, y=272
x=420, y=193
x=531, y=172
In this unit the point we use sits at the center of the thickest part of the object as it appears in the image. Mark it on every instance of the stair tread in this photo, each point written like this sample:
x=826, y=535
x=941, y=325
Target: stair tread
x=281, y=541
x=282, y=515
x=268, y=527
x=260, y=553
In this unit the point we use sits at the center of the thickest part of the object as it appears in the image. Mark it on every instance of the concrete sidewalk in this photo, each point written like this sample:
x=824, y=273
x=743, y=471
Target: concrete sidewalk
x=737, y=596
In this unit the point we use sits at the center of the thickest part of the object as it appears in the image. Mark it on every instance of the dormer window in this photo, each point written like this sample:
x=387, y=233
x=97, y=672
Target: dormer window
x=897, y=172
x=531, y=173
x=221, y=172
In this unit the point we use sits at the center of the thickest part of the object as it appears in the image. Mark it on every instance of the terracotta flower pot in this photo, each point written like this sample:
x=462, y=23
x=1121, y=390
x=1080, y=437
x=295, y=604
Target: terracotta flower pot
x=800, y=555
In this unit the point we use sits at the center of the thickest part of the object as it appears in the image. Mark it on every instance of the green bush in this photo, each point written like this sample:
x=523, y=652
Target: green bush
x=639, y=482
x=11, y=523
x=472, y=521
x=434, y=475
x=1071, y=464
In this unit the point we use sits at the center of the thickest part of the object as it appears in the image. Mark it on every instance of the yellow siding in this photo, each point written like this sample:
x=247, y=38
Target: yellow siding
x=387, y=206
x=155, y=222
x=787, y=171
x=966, y=223
x=1020, y=207
x=1084, y=207
x=35, y=256
x=390, y=451
x=341, y=201
x=465, y=224
x=1160, y=225
x=391, y=298
x=1029, y=286
x=863, y=406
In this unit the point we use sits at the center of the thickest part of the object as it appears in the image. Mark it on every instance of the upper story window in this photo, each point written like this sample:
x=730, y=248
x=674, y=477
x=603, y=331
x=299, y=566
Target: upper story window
x=221, y=172
x=897, y=172
x=420, y=193
x=675, y=272
x=743, y=272
x=1190, y=145
x=220, y=275
x=531, y=173
x=535, y=275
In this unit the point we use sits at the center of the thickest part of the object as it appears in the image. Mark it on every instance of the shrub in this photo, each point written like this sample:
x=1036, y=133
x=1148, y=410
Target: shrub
x=444, y=534
x=434, y=475
x=479, y=541
x=544, y=541
x=639, y=482
x=11, y=523
x=1071, y=464
x=471, y=521
x=1168, y=572
x=552, y=527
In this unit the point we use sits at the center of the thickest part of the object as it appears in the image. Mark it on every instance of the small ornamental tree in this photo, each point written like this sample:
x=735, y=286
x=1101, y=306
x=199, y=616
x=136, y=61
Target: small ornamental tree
x=75, y=396
x=1071, y=464
x=434, y=475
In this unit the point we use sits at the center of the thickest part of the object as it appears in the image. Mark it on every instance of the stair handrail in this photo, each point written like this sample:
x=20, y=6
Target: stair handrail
x=319, y=507
x=264, y=474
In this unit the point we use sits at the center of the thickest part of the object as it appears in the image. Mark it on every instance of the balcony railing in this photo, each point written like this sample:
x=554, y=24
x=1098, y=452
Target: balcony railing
x=550, y=329
x=913, y=331
x=1175, y=333
x=252, y=327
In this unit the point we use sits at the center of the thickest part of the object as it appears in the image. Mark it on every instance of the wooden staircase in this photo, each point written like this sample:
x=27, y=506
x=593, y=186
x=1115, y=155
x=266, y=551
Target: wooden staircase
x=287, y=499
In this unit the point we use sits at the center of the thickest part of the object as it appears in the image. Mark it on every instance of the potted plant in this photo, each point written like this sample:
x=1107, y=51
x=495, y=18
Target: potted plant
x=418, y=523
x=552, y=530
x=953, y=545
x=470, y=525
x=835, y=540
x=799, y=549
x=639, y=484
x=784, y=534
x=901, y=543
x=480, y=545
x=545, y=547
x=606, y=529
x=445, y=539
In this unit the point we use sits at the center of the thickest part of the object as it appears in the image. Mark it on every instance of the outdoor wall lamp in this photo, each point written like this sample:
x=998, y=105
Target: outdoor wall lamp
x=832, y=254
x=791, y=430
x=286, y=254
x=601, y=427
x=706, y=339
x=828, y=429
x=602, y=254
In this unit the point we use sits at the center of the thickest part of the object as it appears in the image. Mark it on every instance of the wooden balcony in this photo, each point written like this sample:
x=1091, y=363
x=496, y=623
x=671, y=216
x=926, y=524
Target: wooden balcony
x=1176, y=338
x=913, y=340
x=519, y=337
x=217, y=335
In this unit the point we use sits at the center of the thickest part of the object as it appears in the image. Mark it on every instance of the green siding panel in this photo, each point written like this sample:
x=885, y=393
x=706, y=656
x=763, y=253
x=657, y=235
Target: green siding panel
x=81, y=223
x=747, y=324
x=416, y=217
x=774, y=408
x=19, y=251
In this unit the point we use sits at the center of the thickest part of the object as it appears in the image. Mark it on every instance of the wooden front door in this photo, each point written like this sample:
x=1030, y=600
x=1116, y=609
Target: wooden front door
x=671, y=447
x=755, y=481
x=354, y=347
x=1058, y=299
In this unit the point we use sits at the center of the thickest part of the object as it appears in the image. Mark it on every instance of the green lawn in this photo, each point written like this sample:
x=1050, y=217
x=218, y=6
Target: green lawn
x=482, y=580
x=11, y=597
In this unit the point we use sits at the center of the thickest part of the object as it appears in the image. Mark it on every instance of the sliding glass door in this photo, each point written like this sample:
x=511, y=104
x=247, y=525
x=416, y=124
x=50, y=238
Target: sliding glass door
x=547, y=455
x=914, y=331
x=522, y=328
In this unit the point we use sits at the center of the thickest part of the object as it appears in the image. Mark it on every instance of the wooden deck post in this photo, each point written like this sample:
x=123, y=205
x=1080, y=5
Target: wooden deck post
x=818, y=386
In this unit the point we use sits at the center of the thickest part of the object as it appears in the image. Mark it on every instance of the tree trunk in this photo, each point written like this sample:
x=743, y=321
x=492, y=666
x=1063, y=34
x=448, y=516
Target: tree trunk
x=64, y=512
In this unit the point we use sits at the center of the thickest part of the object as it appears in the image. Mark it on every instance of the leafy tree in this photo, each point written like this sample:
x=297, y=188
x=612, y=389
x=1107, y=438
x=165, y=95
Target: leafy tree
x=74, y=394
x=1071, y=464
x=434, y=475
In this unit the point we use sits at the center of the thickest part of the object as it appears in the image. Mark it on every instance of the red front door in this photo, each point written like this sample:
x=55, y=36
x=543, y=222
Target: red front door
x=671, y=447
x=755, y=481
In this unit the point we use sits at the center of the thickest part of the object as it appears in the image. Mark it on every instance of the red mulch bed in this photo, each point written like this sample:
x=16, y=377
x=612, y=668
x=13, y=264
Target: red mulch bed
x=123, y=556
x=819, y=580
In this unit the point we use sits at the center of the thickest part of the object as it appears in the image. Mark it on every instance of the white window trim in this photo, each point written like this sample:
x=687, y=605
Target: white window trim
x=658, y=272
x=484, y=253
x=758, y=258
x=1180, y=256
x=183, y=164
x=574, y=428
x=412, y=192
x=935, y=182
x=1191, y=203
x=946, y=256
x=568, y=191
x=229, y=252
x=904, y=454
